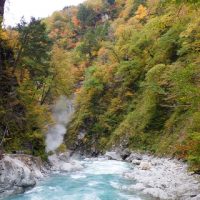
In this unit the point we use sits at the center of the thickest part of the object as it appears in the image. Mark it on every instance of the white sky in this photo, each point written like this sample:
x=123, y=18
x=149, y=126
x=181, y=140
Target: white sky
x=15, y=9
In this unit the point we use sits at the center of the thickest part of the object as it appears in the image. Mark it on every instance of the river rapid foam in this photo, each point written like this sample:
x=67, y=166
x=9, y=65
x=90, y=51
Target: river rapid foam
x=92, y=180
x=111, y=177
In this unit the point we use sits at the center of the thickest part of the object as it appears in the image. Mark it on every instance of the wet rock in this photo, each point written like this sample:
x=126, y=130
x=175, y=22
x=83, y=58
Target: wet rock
x=138, y=186
x=136, y=162
x=26, y=183
x=58, y=164
x=196, y=197
x=18, y=172
x=64, y=156
x=156, y=192
x=12, y=191
x=145, y=166
x=113, y=156
x=134, y=156
x=125, y=154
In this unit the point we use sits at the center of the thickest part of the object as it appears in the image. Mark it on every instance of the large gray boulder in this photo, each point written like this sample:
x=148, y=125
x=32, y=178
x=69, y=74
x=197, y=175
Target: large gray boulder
x=134, y=156
x=18, y=173
x=112, y=155
x=125, y=154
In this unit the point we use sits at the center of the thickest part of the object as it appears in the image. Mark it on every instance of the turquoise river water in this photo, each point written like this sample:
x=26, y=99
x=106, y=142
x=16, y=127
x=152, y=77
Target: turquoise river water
x=98, y=180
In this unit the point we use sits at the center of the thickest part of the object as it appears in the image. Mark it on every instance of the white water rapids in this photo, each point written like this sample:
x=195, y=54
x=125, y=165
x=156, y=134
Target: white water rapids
x=104, y=179
x=142, y=177
x=100, y=179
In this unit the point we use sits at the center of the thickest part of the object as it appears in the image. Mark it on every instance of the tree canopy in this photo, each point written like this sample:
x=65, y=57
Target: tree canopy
x=132, y=65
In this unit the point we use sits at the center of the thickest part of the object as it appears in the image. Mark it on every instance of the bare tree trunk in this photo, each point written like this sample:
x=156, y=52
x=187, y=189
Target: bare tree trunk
x=2, y=3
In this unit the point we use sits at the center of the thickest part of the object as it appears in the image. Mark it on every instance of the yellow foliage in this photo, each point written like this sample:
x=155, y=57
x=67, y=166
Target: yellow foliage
x=117, y=23
x=63, y=79
x=119, y=2
x=97, y=5
x=103, y=55
x=12, y=38
x=127, y=10
x=141, y=12
x=124, y=31
x=191, y=27
x=152, y=6
x=128, y=94
x=3, y=35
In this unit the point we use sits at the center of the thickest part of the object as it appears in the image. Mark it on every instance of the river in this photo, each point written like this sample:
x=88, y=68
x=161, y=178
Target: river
x=98, y=180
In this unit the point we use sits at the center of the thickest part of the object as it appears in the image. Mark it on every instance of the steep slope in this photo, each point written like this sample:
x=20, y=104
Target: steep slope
x=133, y=66
x=140, y=86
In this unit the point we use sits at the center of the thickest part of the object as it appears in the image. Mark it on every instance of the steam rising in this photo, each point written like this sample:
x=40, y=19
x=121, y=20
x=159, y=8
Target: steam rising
x=62, y=113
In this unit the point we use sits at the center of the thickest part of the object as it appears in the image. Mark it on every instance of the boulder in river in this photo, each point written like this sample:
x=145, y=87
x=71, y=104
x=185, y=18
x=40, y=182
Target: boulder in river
x=145, y=165
x=17, y=175
x=156, y=192
x=136, y=162
x=134, y=156
x=125, y=154
x=112, y=155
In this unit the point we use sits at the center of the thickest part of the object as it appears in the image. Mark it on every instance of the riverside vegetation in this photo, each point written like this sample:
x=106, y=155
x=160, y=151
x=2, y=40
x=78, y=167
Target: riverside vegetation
x=133, y=66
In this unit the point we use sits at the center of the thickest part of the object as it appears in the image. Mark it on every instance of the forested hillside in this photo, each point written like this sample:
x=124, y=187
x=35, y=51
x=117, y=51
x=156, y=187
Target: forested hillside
x=133, y=66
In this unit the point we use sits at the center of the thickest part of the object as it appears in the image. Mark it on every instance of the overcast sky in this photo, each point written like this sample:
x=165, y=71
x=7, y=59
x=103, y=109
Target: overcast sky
x=15, y=9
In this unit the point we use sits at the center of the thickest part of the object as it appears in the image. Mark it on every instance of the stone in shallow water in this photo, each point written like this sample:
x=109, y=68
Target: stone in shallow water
x=26, y=183
x=125, y=154
x=59, y=164
x=156, y=192
x=138, y=186
x=134, y=156
x=136, y=162
x=113, y=155
x=145, y=166
x=196, y=197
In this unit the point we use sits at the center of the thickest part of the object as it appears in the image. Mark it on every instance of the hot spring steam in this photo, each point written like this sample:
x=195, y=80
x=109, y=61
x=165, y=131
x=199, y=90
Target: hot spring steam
x=62, y=113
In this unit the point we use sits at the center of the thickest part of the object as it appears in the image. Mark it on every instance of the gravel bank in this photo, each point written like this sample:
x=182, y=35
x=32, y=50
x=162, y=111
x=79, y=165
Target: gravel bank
x=161, y=178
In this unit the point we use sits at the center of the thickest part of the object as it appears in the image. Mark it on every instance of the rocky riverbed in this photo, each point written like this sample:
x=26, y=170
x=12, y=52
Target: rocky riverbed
x=162, y=178
x=159, y=178
x=20, y=172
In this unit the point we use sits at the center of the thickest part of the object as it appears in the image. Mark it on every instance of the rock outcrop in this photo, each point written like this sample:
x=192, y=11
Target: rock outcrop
x=64, y=162
x=112, y=155
x=18, y=173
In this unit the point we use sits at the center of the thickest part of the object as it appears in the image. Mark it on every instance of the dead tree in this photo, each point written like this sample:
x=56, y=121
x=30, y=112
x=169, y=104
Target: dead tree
x=1, y=143
x=2, y=3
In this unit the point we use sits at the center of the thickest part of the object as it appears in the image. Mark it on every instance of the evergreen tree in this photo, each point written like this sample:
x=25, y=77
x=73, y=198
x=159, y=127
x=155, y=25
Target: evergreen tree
x=86, y=15
x=33, y=52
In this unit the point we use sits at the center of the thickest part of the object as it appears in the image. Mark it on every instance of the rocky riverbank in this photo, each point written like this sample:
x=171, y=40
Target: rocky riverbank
x=20, y=172
x=161, y=178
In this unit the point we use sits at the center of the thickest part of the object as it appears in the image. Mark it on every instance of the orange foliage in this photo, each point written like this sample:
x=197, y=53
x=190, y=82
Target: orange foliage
x=75, y=21
x=127, y=10
x=141, y=12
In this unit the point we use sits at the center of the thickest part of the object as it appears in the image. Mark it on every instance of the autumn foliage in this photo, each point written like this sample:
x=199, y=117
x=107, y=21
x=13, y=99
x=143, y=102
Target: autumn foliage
x=133, y=66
